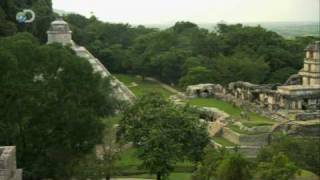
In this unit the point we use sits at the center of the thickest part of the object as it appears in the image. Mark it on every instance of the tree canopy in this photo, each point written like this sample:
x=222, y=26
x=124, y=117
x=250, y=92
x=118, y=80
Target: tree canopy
x=163, y=133
x=254, y=53
x=51, y=105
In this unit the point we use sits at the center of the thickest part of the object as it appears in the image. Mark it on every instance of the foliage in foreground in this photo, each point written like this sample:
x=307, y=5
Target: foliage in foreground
x=280, y=168
x=303, y=151
x=163, y=133
x=51, y=104
x=223, y=165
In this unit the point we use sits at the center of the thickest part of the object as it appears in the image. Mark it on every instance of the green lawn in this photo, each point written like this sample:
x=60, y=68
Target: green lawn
x=223, y=141
x=129, y=162
x=254, y=118
x=140, y=87
x=173, y=176
x=112, y=120
x=307, y=175
x=128, y=158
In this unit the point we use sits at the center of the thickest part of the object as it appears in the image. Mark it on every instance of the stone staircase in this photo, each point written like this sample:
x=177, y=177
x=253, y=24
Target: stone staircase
x=121, y=91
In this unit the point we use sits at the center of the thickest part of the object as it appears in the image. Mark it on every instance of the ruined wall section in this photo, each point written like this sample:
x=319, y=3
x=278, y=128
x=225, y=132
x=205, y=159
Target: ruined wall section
x=8, y=167
x=245, y=140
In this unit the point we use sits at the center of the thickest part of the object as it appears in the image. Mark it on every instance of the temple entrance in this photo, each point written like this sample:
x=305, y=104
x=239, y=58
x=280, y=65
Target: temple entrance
x=304, y=104
x=198, y=92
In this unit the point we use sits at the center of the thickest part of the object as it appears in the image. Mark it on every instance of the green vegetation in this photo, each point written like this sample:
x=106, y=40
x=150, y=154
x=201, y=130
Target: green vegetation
x=234, y=166
x=223, y=141
x=47, y=110
x=223, y=165
x=129, y=162
x=279, y=168
x=254, y=119
x=172, y=176
x=129, y=157
x=113, y=120
x=185, y=54
x=43, y=10
x=142, y=87
x=304, y=152
x=55, y=119
x=163, y=134
x=306, y=175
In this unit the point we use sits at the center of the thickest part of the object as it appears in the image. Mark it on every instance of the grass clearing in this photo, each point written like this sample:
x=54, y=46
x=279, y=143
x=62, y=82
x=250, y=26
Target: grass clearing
x=141, y=87
x=173, y=176
x=307, y=175
x=223, y=141
x=129, y=162
x=254, y=118
x=112, y=120
x=128, y=158
x=257, y=123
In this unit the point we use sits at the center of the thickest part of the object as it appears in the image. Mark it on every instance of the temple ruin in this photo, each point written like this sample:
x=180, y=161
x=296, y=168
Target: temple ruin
x=59, y=32
x=8, y=166
x=300, y=93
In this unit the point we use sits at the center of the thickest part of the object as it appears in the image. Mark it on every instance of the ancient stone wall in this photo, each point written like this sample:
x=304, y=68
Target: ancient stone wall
x=244, y=139
x=307, y=116
x=8, y=167
x=248, y=151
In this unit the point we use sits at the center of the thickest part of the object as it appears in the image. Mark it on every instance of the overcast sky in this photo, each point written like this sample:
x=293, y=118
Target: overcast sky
x=198, y=11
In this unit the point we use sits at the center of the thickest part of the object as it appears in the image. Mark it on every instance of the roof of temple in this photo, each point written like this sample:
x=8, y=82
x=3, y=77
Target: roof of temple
x=59, y=25
x=315, y=47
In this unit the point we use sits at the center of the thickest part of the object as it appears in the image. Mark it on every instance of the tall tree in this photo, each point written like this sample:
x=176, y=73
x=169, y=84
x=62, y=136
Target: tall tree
x=51, y=105
x=235, y=166
x=207, y=168
x=280, y=168
x=163, y=133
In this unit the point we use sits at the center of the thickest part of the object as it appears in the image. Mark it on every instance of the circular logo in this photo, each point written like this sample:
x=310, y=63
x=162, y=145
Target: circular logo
x=22, y=17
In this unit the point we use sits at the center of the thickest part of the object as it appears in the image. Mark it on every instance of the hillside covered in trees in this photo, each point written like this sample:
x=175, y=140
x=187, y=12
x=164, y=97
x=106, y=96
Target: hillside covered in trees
x=186, y=54
x=182, y=55
x=54, y=108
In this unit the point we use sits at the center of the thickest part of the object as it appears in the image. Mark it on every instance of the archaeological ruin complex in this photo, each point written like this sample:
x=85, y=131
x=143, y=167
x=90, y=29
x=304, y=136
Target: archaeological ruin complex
x=293, y=107
x=301, y=92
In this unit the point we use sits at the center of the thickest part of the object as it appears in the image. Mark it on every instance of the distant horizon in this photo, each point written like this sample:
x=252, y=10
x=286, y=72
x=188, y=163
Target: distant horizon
x=62, y=12
x=244, y=22
x=146, y=12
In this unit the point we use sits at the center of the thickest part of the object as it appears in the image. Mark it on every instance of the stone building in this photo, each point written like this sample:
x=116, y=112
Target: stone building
x=204, y=90
x=8, y=167
x=59, y=32
x=300, y=92
x=306, y=95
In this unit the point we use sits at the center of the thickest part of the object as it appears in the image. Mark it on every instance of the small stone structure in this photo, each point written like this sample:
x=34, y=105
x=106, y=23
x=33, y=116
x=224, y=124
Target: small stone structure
x=59, y=32
x=204, y=90
x=244, y=139
x=8, y=167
